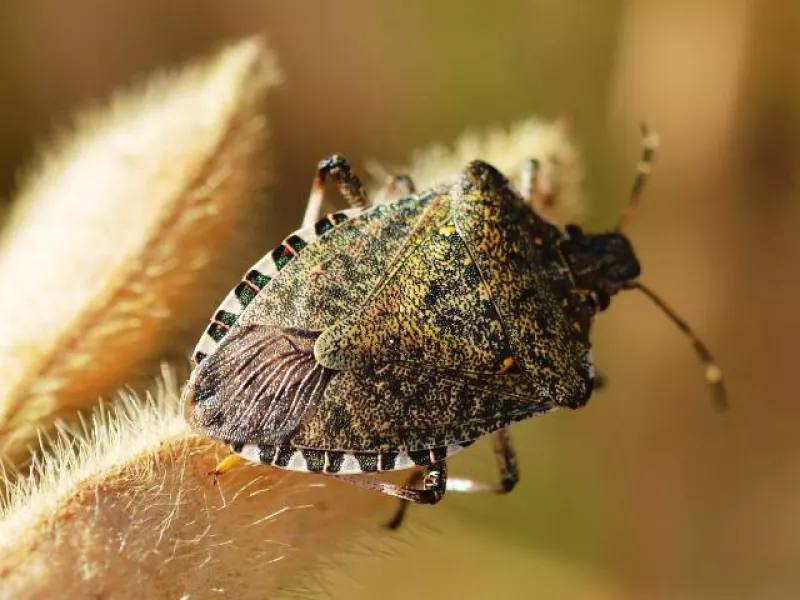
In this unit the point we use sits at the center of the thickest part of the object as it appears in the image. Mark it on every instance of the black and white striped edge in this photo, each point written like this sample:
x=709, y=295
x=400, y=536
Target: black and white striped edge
x=259, y=276
x=342, y=463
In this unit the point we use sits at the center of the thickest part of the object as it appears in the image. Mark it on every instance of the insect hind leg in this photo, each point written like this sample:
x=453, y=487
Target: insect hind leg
x=506, y=463
x=538, y=186
x=509, y=476
x=600, y=381
x=434, y=485
x=347, y=181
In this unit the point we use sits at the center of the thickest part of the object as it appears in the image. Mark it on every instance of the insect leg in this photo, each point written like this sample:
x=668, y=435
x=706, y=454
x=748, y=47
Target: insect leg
x=507, y=464
x=347, y=182
x=402, y=507
x=538, y=187
x=433, y=480
x=650, y=143
x=527, y=178
x=509, y=476
x=395, y=187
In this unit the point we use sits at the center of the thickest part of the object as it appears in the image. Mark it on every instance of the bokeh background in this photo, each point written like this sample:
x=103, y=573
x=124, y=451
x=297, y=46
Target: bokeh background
x=647, y=492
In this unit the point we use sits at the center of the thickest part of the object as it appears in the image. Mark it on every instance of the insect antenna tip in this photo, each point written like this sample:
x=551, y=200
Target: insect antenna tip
x=713, y=372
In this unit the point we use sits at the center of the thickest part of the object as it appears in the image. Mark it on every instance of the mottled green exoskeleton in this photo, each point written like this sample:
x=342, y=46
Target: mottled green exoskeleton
x=393, y=336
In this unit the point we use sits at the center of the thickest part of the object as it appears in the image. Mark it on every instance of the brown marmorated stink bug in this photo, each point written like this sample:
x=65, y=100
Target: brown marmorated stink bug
x=393, y=336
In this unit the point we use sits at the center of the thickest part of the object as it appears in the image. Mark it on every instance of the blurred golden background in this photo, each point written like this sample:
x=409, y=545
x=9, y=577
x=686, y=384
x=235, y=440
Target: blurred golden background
x=648, y=492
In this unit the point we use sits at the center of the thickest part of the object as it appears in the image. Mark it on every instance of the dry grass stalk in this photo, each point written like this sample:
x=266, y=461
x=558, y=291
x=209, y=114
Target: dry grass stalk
x=110, y=243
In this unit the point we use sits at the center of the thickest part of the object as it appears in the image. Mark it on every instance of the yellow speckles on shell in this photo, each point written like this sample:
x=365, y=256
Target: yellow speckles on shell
x=528, y=280
x=447, y=229
x=483, y=292
x=426, y=311
x=492, y=237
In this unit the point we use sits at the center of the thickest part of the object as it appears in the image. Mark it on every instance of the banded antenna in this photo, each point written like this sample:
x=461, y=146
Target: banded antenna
x=650, y=143
x=713, y=373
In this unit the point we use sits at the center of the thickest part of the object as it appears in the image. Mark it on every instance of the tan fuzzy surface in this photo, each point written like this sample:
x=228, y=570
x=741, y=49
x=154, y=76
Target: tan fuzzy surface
x=127, y=509
x=508, y=148
x=109, y=243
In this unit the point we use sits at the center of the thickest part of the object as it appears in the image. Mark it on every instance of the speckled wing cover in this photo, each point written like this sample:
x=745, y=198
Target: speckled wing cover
x=412, y=310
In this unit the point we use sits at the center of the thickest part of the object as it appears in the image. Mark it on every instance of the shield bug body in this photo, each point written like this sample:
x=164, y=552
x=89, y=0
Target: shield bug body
x=393, y=336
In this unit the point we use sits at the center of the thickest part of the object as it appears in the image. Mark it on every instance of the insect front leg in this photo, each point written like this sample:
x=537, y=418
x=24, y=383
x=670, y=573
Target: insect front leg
x=402, y=508
x=538, y=187
x=347, y=181
x=395, y=187
x=527, y=179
